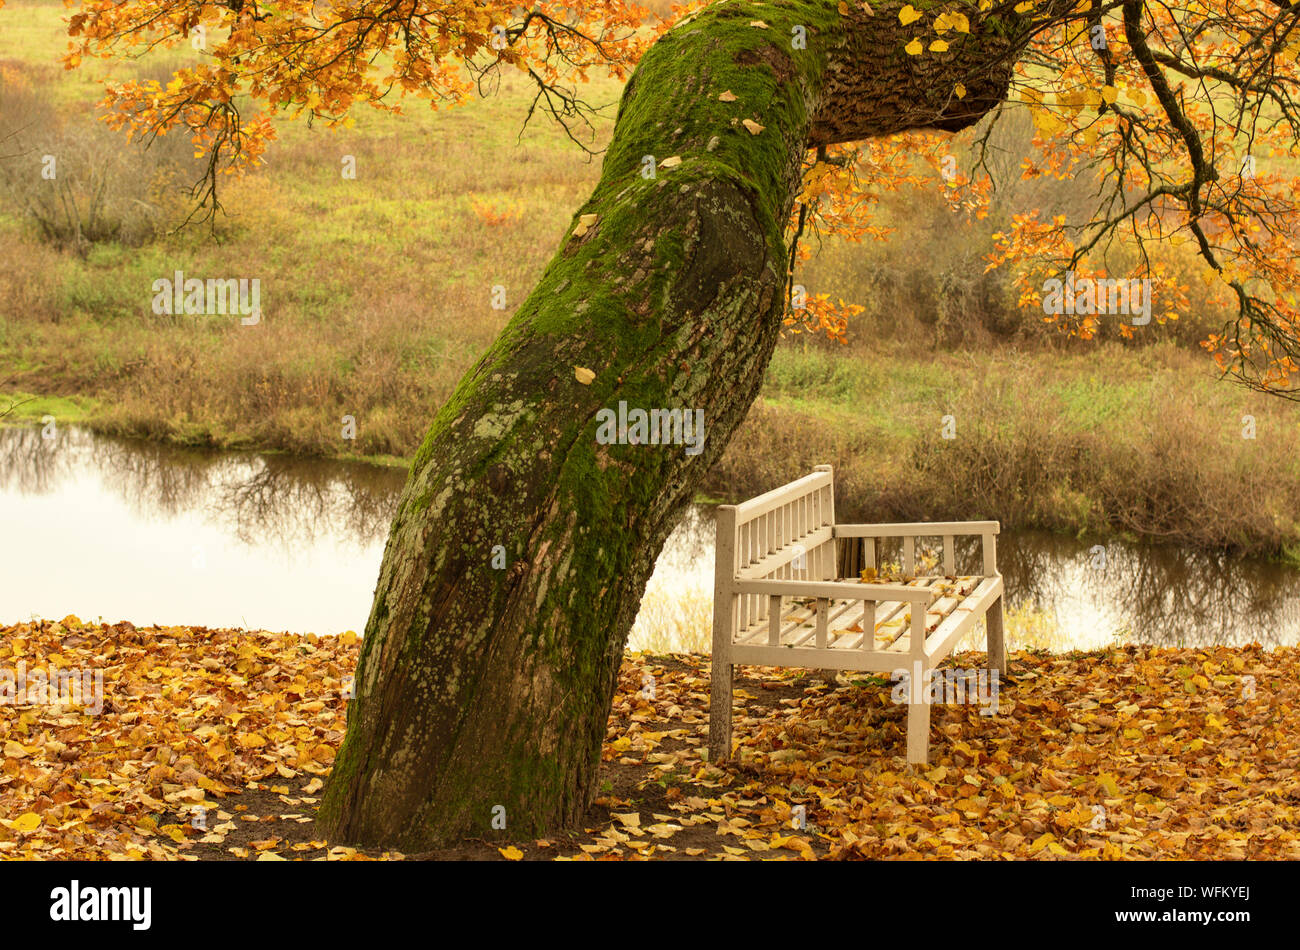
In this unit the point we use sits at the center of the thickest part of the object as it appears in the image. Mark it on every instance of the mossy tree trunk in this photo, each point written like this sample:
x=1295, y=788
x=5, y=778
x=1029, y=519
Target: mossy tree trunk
x=483, y=691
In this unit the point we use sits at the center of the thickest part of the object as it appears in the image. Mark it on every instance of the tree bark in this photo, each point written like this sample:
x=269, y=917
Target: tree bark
x=481, y=692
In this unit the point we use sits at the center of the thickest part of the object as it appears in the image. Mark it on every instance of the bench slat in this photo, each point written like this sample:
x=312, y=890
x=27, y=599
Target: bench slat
x=846, y=606
x=837, y=590
x=941, y=642
x=812, y=658
x=767, y=563
x=920, y=529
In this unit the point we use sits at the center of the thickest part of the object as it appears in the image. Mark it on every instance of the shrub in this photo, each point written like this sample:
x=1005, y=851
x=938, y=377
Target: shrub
x=79, y=183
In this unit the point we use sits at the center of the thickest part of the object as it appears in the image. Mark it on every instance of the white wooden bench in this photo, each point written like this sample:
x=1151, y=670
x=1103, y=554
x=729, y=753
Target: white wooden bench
x=777, y=600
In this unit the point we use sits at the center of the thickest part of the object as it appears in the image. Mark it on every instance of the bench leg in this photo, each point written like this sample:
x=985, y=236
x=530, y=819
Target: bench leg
x=918, y=721
x=722, y=679
x=997, y=641
x=918, y=733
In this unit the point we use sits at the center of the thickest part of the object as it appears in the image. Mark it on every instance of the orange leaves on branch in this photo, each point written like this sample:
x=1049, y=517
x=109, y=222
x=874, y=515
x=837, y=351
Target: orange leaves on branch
x=842, y=187
x=1227, y=194
x=299, y=57
x=1095, y=109
x=680, y=13
x=1039, y=254
x=819, y=315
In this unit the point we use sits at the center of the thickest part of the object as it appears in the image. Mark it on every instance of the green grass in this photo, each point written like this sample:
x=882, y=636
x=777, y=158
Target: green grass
x=18, y=408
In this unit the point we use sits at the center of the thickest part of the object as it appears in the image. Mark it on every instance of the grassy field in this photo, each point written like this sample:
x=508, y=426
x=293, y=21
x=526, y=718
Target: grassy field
x=377, y=292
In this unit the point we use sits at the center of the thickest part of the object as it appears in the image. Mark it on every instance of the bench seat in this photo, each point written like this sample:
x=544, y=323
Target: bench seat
x=952, y=607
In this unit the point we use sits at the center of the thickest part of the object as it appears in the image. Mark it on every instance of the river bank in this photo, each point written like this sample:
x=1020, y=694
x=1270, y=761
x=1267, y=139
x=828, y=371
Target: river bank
x=1110, y=443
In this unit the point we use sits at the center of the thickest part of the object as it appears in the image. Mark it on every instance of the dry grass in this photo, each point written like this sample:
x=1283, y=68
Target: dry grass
x=376, y=291
x=1140, y=442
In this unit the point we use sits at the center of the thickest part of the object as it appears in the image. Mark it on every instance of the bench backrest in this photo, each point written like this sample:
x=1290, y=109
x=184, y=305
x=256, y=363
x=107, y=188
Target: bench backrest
x=785, y=534
x=859, y=545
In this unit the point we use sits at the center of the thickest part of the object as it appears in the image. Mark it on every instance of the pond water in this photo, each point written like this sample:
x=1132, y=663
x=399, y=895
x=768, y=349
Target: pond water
x=119, y=530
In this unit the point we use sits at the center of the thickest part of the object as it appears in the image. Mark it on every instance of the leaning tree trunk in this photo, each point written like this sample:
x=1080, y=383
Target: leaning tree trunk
x=482, y=691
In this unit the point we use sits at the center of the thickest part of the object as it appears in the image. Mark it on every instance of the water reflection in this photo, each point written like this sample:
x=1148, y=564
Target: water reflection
x=260, y=499
x=677, y=608
x=158, y=534
x=1162, y=595
x=1062, y=594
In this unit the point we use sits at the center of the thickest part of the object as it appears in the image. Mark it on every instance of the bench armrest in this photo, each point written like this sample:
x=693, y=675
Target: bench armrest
x=835, y=590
